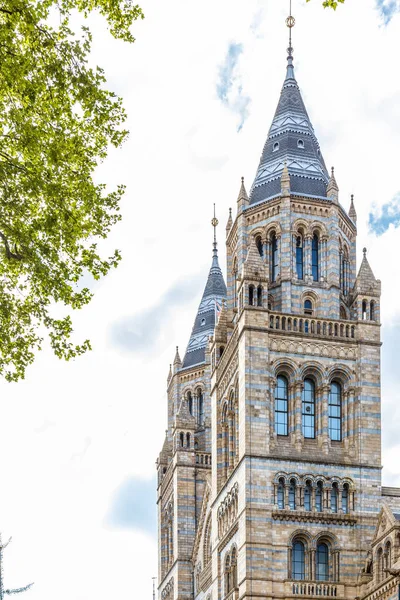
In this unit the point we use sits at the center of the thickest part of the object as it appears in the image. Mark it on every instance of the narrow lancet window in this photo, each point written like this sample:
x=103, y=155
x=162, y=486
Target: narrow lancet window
x=274, y=257
x=298, y=561
x=315, y=257
x=335, y=412
x=299, y=258
x=322, y=562
x=308, y=409
x=281, y=406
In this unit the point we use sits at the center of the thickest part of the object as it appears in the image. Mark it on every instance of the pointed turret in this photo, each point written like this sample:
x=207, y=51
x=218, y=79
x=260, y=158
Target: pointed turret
x=332, y=191
x=366, y=283
x=169, y=374
x=352, y=210
x=243, y=199
x=229, y=223
x=177, y=361
x=254, y=266
x=210, y=305
x=291, y=139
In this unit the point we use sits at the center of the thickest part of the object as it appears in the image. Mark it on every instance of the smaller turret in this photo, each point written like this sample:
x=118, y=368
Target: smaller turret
x=229, y=223
x=332, y=191
x=366, y=293
x=352, y=210
x=243, y=199
x=177, y=361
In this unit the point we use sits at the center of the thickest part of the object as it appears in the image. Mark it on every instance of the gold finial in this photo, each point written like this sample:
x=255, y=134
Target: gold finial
x=290, y=22
x=214, y=223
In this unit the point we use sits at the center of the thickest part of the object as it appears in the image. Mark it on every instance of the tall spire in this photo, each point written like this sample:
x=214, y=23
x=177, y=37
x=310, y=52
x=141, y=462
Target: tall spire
x=210, y=305
x=290, y=22
x=291, y=139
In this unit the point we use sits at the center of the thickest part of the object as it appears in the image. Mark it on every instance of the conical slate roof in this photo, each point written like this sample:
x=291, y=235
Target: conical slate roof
x=291, y=139
x=204, y=324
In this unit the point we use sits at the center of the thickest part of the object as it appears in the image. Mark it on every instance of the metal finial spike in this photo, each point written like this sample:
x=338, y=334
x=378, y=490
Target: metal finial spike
x=352, y=197
x=365, y=252
x=333, y=171
x=230, y=212
x=242, y=178
x=214, y=223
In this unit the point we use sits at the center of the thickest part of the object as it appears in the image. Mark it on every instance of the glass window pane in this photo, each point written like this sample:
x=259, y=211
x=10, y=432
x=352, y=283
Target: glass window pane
x=308, y=409
x=298, y=562
x=334, y=499
x=335, y=412
x=322, y=562
x=315, y=257
x=307, y=498
x=281, y=406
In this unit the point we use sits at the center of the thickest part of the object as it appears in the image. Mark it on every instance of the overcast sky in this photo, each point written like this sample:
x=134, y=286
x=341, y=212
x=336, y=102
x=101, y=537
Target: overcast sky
x=79, y=440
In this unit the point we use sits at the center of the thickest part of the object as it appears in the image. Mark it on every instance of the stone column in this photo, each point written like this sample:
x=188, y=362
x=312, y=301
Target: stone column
x=307, y=258
x=340, y=508
x=325, y=418
x=279, y=242
x=298, y=421
x=287, y=496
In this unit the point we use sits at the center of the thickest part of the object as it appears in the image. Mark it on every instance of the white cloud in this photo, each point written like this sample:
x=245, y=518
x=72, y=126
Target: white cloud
x=73, y=433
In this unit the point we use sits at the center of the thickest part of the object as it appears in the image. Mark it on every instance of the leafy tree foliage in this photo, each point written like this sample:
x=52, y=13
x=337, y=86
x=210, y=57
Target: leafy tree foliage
x=331, y=3
x=57, y=121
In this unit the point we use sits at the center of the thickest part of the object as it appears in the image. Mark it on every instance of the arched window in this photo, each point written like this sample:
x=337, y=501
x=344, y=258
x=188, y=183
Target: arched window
x=322, y=570
x=182, y=439
x=345, y=498
x=307, y=496
x=318, y=497
x=300, y=144
x=388, y=555
x=308, y=307
x=281, y=494
x=335, y=412
x=281, y=406
x=200, y=403
x=343, y=314
x=228, y=578
x=315, y=257
x=308, y=409
x=274, y=257
x=259, y=296
x=299, y=257
x=298, y=561
x=188, y=440
x=234, y=282
x=334, y=498
x=292, y=495
x=207, y=542
x=364, y=310
x=190, y=402
x=259, y=245
x=379, y=560
x=372, y=310
x=276, y=146
x=234, y=569
x=251, y=295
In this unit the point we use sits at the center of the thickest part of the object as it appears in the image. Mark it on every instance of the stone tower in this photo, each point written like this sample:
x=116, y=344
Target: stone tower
x=269, y=481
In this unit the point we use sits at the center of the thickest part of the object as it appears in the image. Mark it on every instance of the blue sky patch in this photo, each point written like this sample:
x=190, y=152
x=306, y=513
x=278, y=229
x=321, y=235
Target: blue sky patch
x=388, y=214
x=134, y=506
x=387, y=9
x=229, y=86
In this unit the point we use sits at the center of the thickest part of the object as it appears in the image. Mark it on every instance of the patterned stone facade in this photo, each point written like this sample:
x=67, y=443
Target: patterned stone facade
x=269, y=480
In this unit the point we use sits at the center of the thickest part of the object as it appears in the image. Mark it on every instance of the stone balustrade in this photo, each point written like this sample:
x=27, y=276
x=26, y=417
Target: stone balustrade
x=314, y=327
x=203, y=459
x=314, y=589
